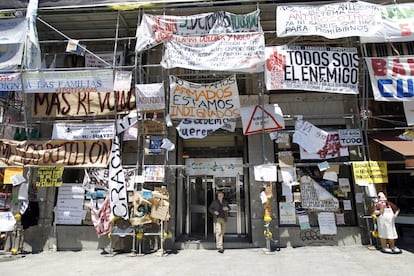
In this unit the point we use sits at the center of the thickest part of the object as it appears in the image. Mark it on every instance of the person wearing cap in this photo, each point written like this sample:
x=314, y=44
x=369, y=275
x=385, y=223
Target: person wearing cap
x=219, y=208
x=386, y=213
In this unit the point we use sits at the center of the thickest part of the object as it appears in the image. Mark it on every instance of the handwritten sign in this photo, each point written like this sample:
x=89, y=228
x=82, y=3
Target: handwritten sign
x=235, y=52
x=58, y=153
x=198, y=128
x=69, y=204
x=333, y=20
x=150, y=96
x=75, y=131
x=216, y=100
x=155, y=29
x=58, y=105
x=10, y=82
x=370, y=172
x=309, y=137
x=333, y=70
x=331, y=149
x=391, y=78
x=49, y=176
x=154, y=173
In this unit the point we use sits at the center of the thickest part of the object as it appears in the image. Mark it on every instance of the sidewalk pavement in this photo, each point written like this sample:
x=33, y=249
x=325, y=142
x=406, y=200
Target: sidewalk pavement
x=308, y=261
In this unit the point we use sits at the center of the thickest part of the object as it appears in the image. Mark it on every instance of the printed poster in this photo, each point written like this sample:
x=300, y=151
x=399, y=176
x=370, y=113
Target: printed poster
x=327, y=224
x=391, y=78
x=287, y=213
x=75, y=131
x=321, y=69
x=150, y=96
x=156, y=29
x=217, y=100
x=334, y=20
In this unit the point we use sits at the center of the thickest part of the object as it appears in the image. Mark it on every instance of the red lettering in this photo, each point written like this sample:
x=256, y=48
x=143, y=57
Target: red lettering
x=379, y=66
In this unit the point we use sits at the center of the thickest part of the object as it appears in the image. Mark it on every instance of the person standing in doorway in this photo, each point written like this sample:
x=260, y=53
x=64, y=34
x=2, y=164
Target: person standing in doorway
x=219, y=208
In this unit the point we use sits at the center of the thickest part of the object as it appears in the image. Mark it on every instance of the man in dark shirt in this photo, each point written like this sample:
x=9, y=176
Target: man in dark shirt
x=219, y=208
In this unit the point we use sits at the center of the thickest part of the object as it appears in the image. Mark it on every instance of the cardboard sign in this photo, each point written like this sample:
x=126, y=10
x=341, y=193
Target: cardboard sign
x=370, y=172
x=256, y=119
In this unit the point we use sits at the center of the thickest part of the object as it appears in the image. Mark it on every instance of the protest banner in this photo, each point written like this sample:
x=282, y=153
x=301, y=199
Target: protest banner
x=332, y=20
x=257, y=118
x=331, y=149
x=77, y=131
x=391, y=77
x=87, y=153
x=68, y=81
x=122, y=80
x=150, y=96
x=242, y=52
x=370, y=172
x=92, y=61
x=315, y=197
x=309, y=137
x=222, y=167
x=350, y=137
x=49, y=177
x=58, y=105
x=321, y=69
x=199, y=128
x=155, y=29
x=396, y=24
x=12, y=36
x=116, y=183
x=10, y=82
x=217, y=100
x=99, y=178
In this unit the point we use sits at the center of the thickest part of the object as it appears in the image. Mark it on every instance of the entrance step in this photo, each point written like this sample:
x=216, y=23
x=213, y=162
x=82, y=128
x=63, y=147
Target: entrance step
x=229, y=243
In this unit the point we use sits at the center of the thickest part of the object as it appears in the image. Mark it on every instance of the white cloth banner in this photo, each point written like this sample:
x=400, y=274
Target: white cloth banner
x=74, y=131
x=155, y=29
x=10, y=82
x=117, y=185
x=331, y=149
x=12, y=36
x=333, y=20
x=32, y=58
x=217, y=100
x=322, y=69
x=257, y=118
x=309, y=137
x=99, y=179
x=108, y=57
x=396, y=24
x=265, y=172
x=198, y=128
x=122, y=81
x=150, y=96
x=7, y=221
x=221, y=52
x=68, y=81
x=391, y=77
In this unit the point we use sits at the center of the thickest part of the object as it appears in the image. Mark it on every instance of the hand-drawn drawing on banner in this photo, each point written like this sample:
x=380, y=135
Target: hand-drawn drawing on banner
x=243, y=52
x=99, y=178
x=117, y=186
x=154, y=173
x=217, y=100
x=198, y=128
x=75, y=131
x=155, y=29
x=150, y=97
x=68, y=81
x=265, y=172
x=309, y=137
x=59, y=105
x=10, y=82
x=56, y=153
x=370, y=172
x=333, y=70
x=12, y=36
x=391, y=78
x=331, y=149
x=315, y=197
x=49, y=176
x=332, y=20
x=350, y=137
x=396, y=24
x=256, y=119
x=122, y=80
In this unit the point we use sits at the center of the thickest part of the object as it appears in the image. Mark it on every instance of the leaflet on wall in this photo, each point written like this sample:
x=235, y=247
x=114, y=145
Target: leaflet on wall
x=199, y=128
x=309, y=137
x=287, y=213
x=334, y=20
x=331, y=149
x=236, y=52
x=327, y=225
x=69, y=204
x=265, y=172
x=391, y=78
x=12, y=36
x=315, y=197
x=150, y=96
x=350, y=137
x=288, y=175
x=333, y=70
x=396, y=24
x=217, y=100
x=370, y=172
x=155, y=29
x=75, y=131
x=304, y=222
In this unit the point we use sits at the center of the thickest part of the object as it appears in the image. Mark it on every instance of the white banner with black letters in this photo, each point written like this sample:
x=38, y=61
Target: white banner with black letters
x=308, y=68
x=74, y=131
x=150, y=96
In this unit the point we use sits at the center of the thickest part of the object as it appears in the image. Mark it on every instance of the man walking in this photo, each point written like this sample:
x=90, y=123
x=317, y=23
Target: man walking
x=219, y=208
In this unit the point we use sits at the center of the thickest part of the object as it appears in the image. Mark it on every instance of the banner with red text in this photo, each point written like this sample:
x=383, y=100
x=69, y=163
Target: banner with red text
x=391, y=77
x=220, y=52
x=87, y=104
x=155, y=29
x=396, y=24
x=85, y=81
x=87, y=153
x=331, y=149
x=321, y=69
x=216, y=100
x=335, y=20
x=10, y=82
